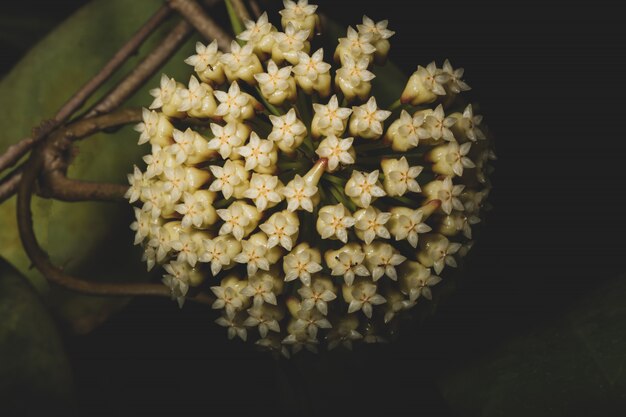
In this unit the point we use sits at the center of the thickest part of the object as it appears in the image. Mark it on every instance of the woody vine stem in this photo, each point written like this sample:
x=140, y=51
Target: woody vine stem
x=48, y=149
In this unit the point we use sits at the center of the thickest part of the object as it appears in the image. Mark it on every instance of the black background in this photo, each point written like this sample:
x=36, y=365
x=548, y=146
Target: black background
x=549, y=79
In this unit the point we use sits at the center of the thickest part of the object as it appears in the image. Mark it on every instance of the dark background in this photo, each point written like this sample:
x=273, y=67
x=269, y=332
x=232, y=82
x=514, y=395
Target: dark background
x=549, y=79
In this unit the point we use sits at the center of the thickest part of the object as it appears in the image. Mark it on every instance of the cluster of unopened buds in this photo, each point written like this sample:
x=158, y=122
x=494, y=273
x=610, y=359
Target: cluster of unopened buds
x=313, y=215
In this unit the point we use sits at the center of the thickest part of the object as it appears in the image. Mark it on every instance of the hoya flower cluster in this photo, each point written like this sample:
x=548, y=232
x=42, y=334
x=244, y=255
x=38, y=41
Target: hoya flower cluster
x=313, y=215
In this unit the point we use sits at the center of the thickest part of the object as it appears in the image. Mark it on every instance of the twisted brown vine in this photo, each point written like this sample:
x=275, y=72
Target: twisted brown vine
x=44, y=172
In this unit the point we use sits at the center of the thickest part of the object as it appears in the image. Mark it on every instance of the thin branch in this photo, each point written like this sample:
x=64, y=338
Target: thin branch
x=128, y=49
x=40, y=258
x=208, y=28
x=256, y=10
x=66, y=189
x=9, y=184
x=241, y=10
x=16, y=151
x=143, y=71
x=54, y=181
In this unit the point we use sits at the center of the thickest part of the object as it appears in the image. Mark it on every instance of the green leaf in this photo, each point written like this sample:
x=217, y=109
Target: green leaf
x=572, y=365
x=91, y=239
x=34, y=370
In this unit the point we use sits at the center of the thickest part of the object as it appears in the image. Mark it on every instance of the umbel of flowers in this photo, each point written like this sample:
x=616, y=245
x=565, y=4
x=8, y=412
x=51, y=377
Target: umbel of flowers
x=315, y=216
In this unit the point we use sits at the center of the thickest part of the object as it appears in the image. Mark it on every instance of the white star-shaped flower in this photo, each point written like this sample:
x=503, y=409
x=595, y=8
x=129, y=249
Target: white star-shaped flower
x=234, y=325
x=177, y=280
x=400, y=177
x=438, y=124
x=261, y=289
x=396, y=302
x=473, y=200
x=275, y=80
x=154, y=127
x=377, y=30
x=406, y=132
x=344, y=332
x=334, y=221
x=254, y=256
x=438, y=252
x=367, y=120
x=310, y=321
x=232, y=103
x=407, y=224
x=425, y=85
x=149, y=257
x=454, y=83
x=216, y=252
x=287, y=44
x=355, y=44
x=158, y=160
x=235, y=220
x=228, y=298
x=154, y=200
x=257, y=152
x=364, y=298
x=263, y=190
x=311, y=67
x=193, y=96
x=192, y=210
x=336, y=151
x=317, y=295
x=468, y=124
x=175, y=182
x=142, y=225
x=297, y=11
x=416, y=280
x=370, y=223
x=363, y=188
x=187, y=249
x=226, y=178
x=353, y=78
x=287, y=130
x=183, y=145
x=265, y=318
x=139, y=184
x=298, y=194
x=205, y=56
x=456, y=158
x=330, y=119
x=281, y=229
x=382, y=258
x=449, y=195
x=458, y=222
x=347, y=262
x=165, y=93
x=301, y=263
x=227, y=138
x=241, y=63
x=433, y=78
x=256, y=31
